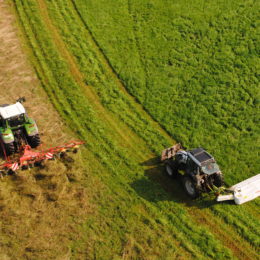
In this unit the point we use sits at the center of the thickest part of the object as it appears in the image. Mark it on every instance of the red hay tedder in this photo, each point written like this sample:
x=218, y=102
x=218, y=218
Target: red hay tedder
x=28, y=158
x=19, y=135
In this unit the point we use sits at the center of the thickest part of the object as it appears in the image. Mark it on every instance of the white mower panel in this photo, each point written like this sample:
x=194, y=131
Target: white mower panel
x=244, y=191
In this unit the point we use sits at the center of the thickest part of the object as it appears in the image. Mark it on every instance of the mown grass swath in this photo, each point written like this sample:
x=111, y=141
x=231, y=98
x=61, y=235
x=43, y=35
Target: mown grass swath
x=99, y=76
x=151, y=224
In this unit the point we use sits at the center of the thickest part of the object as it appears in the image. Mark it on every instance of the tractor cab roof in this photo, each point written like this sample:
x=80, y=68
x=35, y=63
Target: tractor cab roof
x=200, y=156
x=8, y=111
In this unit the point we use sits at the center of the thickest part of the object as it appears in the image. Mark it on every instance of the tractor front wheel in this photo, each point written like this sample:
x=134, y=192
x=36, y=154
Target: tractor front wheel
x=9, y=148
x=218, y=180
x=190, y=187
x=34, y=141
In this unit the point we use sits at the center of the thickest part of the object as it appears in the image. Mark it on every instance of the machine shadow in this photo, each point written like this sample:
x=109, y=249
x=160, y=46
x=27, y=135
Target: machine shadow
x=157, y=186
x=152, y=161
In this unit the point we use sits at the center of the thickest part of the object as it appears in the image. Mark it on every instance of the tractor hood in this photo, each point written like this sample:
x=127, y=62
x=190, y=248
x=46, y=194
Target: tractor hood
x=31, y=128
x=7, y=136
x=12, y=110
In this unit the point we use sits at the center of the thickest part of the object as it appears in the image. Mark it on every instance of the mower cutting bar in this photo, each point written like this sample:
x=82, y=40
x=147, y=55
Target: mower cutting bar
x=244, y=191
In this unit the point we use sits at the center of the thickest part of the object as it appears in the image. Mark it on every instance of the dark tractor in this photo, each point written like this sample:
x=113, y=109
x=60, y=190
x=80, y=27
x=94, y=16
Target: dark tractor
x=199, y=170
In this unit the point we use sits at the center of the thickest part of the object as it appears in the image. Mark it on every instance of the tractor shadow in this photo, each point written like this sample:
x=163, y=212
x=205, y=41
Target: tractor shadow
x=157, y=186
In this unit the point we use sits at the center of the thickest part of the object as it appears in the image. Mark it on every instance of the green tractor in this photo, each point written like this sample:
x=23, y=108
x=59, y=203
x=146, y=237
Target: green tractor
x=16, y=128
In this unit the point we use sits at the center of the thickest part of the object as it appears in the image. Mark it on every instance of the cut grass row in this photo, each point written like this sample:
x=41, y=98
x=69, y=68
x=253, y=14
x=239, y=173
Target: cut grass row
x=101, y=78
x=73, y=35
x=118, y=202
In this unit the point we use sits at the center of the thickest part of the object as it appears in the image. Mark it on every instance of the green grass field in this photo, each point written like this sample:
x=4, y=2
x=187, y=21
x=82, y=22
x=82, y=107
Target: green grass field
x=129, y=78
x=194, y=67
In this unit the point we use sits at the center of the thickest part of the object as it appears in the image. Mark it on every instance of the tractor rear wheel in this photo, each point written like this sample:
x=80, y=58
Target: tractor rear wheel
x=9, y=148
x=190, y=187
x=171, y=169
x=34, y=141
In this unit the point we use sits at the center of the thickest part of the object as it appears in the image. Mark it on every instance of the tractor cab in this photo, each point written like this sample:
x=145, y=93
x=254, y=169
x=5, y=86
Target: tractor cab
x=13, y=116
x=203, y=162
x=11, y=111
x=17, y=121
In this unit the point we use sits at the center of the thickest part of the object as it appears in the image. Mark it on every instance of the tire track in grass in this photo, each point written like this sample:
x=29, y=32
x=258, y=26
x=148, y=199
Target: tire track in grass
x=245, y=225
x=133, y=18
x=233, y=241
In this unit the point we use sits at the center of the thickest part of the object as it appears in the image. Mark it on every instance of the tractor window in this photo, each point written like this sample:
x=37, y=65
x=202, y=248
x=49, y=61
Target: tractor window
x=16, y=121
x=210, y=168
x=192, y=167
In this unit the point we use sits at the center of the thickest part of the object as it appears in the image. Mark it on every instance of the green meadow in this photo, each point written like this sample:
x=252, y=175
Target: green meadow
x=133, y=77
